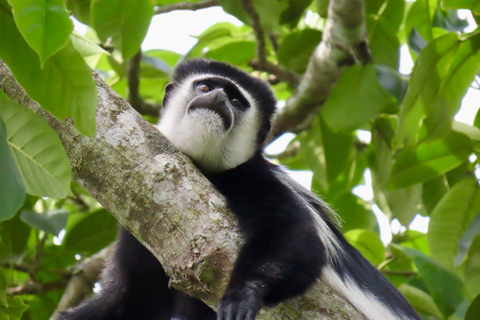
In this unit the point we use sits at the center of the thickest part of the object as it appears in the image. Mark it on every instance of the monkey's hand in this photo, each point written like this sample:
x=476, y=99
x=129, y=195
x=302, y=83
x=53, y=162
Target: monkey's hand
x=241, y=303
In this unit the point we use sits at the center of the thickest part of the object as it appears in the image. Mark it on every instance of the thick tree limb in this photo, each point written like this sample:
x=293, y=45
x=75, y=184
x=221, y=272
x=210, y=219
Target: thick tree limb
x=344, y=42
x=156, y=193
x=186, y=6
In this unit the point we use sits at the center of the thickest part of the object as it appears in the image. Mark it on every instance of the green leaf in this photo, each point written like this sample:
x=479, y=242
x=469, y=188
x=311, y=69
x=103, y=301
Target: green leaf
x=473, y=5
x=12, y=189
x=472, y=269
x=44, y=24
x=368, y=243
x=13, y=239
x=433, y=191
x=383, y=41
x=442, y=75
x=219, y=30
x=446, y=293
x=473, y=311
x=296, y=48
x=366, y=99
x=126, y=22
x=80, y=10
x=470, y=131
x=393, y=82
x=428, y=160
x=64, y=87
x=92, y=233
x=293, y=13
x=3, y=289
x=237, y=53
x=450, y=218
x=51, y=221
x=38, y=152
x=420, y=18
x=85, y=46
x=420, y=300
x=354, y=211
x=15, y=308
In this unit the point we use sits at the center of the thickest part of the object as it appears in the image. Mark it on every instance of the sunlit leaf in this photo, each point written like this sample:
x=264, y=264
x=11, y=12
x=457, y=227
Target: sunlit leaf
x=368, y=243
x=37, y=150
x=237, y=53
x=12, y=189
x=450, y=218
x=473, y=5
x=44, y=24
x=365, y=99
x=420, y=300
x=447, y=293
x=126, y=22
x=428, y=160
x=51, y=221
x=64, y=86
x=92, y=233
x=15, y=308
x=355, y=212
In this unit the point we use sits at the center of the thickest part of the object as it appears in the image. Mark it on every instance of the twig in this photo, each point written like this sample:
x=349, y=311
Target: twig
x=133, y=79
x=186, y=6
x=261, y=62
x=406, y=273
x=35, y=288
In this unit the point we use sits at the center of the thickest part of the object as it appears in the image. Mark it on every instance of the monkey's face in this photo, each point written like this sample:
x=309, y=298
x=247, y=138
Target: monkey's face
x=212, y=120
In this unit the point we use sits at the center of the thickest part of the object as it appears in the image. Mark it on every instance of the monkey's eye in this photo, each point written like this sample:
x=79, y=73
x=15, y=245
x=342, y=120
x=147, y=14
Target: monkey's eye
x=236, y=102
x=204, y=87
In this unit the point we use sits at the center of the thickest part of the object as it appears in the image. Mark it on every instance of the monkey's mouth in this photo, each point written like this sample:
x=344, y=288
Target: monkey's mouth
x=214, y=102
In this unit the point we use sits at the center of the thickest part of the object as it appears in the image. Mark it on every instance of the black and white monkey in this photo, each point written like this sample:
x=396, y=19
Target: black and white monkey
x=220, y=116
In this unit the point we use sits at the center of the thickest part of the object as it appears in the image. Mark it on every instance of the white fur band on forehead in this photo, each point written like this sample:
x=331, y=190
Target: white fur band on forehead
x=204, y=76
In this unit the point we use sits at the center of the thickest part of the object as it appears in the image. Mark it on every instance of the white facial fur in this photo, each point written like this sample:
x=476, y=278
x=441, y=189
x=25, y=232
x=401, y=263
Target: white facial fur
x=200, y=134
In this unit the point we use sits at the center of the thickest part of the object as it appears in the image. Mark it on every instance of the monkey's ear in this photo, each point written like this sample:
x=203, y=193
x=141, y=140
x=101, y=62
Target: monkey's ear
x=169, y=87
x=168, y=90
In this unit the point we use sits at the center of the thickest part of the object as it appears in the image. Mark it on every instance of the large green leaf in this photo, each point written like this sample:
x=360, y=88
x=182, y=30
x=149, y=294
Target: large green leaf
x=399, y=203
x=92, y=233
x=473, y=311
x=473, y=5
x=294, y=11
x=12, y=189
x=3, y=288
x=428, y=160
x=365, y=99
x=450, y=218
x=44, y=24
x=126, y=22
x=472, y=269
x=383, y=41
x=37, y=150
x=420, y=300
x=296, y=48
x=14, y=235
x=51, y=221
x=368, y=243
x=64, y=86
x=445, y=287
x=355, y=212
x=237, y=52
x=80, y=10
x=14, y=309
x=442, y=75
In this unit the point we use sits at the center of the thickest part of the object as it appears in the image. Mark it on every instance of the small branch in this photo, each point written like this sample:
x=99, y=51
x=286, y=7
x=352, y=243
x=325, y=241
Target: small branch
x=18, y=267
x=186, y=6
x=291, y=151
x=344, y=42
x=261, y=62
x=133, y=80
x=36, y=288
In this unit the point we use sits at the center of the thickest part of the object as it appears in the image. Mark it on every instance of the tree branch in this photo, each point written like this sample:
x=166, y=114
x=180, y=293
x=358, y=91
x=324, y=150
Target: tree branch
x=162, y=199
x=261, y=62
x=32, y=287
x=344, y=42
x=186, y=6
